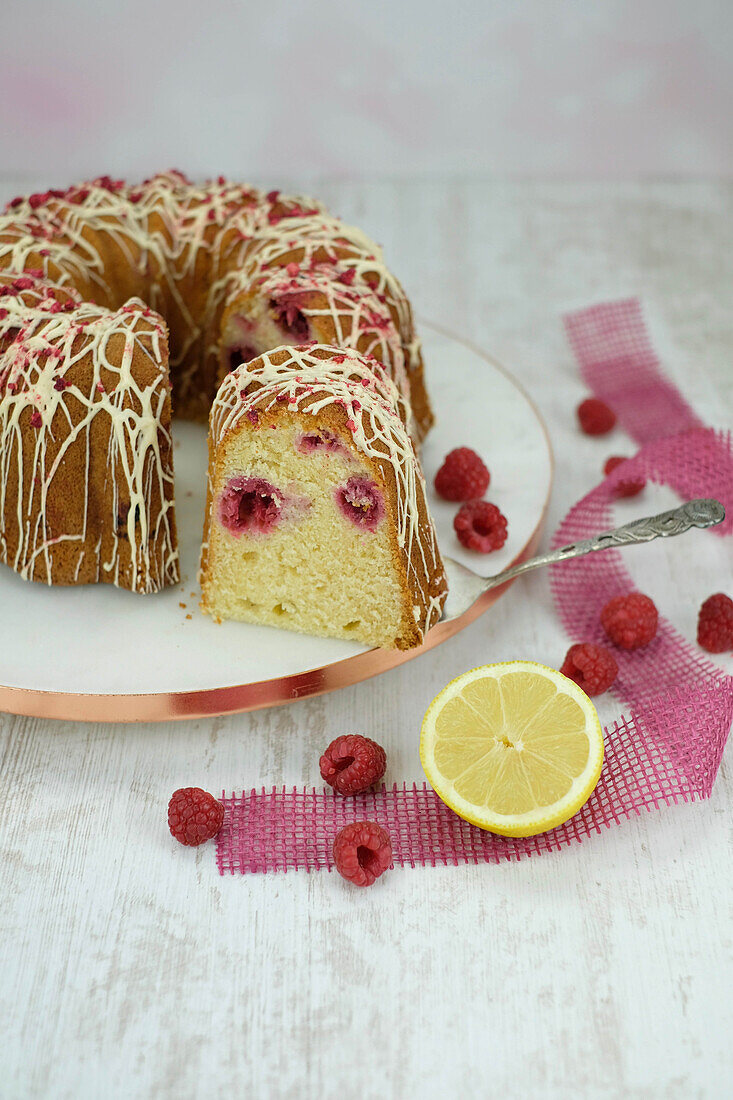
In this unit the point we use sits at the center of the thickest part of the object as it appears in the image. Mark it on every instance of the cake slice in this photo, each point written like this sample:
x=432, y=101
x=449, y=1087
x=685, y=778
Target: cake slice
x=316, y=518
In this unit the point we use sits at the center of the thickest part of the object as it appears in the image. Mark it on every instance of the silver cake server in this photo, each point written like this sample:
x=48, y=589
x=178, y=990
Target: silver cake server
x=465, y=586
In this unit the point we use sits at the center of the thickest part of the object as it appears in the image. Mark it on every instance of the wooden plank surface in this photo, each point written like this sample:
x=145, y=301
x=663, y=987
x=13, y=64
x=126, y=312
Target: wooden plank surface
x=129, y=969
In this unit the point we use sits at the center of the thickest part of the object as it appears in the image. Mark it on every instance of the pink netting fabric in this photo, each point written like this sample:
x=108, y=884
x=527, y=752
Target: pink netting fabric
x=680, y=705
x=619, y=364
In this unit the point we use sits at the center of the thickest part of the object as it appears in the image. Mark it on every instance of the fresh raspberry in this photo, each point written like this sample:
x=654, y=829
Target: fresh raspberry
x=362, y=851
x=715, y=624
x=353, y=763
x=595, y=417
x=480, y=526
x=627, y=487
x=194, y=816
x=630, y=621
x=463, y=476
x=593, y=667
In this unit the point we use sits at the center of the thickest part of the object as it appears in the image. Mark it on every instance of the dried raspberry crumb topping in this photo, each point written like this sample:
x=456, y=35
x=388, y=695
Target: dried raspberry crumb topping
x=36, y=419
x=362, y=851
x=353, y=763
x=463, y=476
x=194, y=816
x=592, y=667
x=626, y=487
x=630, y=621
x=480, y=526
x=347, y=277
x=595, y=416
x=715, y=624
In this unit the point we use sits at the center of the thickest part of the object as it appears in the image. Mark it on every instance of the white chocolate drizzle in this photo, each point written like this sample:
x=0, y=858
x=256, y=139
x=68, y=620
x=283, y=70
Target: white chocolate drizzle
x=189, y=252
x=56, y=365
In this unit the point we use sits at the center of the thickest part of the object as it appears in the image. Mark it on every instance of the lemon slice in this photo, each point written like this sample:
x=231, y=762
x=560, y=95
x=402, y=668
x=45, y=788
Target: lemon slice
x=515, y=748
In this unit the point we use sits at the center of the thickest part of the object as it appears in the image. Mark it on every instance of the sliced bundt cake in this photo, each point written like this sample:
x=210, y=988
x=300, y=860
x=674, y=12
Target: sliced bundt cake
x=316, y=516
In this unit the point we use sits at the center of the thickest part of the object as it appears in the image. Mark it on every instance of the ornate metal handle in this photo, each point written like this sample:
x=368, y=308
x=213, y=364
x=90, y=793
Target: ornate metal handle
x=695, y=513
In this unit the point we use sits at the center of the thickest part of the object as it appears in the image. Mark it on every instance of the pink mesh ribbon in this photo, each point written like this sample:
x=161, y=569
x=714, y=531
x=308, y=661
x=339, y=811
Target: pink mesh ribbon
x=680, y=705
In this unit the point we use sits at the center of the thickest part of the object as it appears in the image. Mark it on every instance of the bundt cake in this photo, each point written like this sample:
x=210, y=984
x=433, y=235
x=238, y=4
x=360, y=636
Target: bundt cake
x=195, y=254
x=87, y=276
x=316, y=517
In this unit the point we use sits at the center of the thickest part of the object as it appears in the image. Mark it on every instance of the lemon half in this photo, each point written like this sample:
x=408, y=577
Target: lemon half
x=515, y=748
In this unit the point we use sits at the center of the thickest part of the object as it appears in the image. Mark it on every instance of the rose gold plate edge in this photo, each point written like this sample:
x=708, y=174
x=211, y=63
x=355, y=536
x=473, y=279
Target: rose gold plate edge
x=211, y=702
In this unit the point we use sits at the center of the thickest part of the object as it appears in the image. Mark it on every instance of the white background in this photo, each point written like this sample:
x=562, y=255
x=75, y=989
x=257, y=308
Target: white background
x=289, y=89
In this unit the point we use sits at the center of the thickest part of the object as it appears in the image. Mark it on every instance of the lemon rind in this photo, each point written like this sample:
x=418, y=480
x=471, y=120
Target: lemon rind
x=530, y=823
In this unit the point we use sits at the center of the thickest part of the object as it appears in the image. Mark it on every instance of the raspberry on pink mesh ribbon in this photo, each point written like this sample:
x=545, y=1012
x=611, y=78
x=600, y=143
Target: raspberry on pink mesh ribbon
x=619, y=364
x=666, y=749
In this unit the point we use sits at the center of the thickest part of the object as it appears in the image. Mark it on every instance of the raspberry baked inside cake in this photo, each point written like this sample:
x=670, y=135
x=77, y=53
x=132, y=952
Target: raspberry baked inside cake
x=316, y=515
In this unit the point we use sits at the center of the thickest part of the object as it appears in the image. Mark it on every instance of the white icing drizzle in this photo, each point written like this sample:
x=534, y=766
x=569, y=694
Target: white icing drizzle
x=315, y=376
x=162, y=227
x=47, y=355
x=164, y=241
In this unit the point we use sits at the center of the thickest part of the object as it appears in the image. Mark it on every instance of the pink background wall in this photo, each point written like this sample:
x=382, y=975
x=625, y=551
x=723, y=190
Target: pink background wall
x=597, y=88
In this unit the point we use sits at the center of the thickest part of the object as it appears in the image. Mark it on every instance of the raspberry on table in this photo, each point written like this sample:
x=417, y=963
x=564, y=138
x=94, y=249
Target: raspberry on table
x=715, y=623
x=362, y=851
x=353, y=763
x=592, y=667
x=627, y=487
x=480, y=526
x=630, y=621
x=595, y=416
x=463, y=476
x=194, y=816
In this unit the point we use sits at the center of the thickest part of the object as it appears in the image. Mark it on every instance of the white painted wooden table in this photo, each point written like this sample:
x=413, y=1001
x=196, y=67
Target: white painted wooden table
x=128, y=968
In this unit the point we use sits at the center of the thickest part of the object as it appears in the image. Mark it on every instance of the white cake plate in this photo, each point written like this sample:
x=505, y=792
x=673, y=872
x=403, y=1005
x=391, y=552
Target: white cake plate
x=97, y=653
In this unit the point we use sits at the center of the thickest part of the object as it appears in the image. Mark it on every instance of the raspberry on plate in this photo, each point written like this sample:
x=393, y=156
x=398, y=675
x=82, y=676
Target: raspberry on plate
x=362, y=851
x=353, y=763
x=715, y=624
x=592, y=667
x=194, y=816
x=595, y=416
x=630, y=621
x=480, y=526
x=463, y=476
x=626, y=487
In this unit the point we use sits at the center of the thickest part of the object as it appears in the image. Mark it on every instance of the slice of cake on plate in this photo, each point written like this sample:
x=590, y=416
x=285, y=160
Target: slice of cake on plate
x=316, y=517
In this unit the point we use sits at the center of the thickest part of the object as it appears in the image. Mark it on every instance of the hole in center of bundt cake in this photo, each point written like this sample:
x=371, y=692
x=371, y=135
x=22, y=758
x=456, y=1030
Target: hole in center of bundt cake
x=249, y=505
x=286, y=313
x=362, y=503
x=237, y=356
